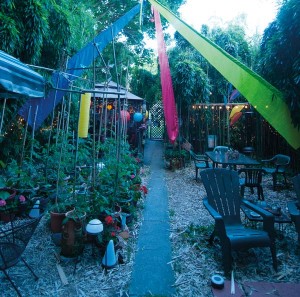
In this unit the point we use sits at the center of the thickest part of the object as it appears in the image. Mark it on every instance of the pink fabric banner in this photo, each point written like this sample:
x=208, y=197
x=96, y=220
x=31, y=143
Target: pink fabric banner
x=168, y=99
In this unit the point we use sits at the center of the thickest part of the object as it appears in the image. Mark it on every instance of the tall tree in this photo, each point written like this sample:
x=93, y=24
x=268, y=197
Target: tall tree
x=280, y=55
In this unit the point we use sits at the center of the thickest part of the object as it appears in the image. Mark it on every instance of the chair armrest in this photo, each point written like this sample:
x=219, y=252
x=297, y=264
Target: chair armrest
x=211, y=210
x=293, y=209
x=268, y=218
x=200, y=157
x=264, y=213
x=267, y=162
x=219, y=222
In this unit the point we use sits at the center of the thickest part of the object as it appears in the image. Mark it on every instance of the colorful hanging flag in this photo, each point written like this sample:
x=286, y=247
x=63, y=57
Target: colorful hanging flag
x=168, y=99
x=236, y=109
x=265, y=98
x=235, y=94
x=235, y=118
x=76, y=66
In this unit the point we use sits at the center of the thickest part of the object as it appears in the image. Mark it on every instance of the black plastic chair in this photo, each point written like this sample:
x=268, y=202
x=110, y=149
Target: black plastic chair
x=252, y=178
x=277, y=166
x=223, y=202
x=200, y=161
x=294, y=206
x=13, y=241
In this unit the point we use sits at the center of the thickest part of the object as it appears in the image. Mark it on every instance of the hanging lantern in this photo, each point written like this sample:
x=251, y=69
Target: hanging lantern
x=131, y=110
x=125, y=115
x=84, y=115
x=109, y=106
x=137, y=117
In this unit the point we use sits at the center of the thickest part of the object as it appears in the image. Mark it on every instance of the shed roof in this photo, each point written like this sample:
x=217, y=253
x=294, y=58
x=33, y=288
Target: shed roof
x=113, y=88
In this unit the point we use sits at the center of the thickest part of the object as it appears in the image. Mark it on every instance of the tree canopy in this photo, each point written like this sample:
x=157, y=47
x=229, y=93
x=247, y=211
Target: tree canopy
x=279, y=59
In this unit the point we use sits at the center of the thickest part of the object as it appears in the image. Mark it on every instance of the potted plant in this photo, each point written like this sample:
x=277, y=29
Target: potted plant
x=58, y=213
x=7, y=204
x=111, y=228
x=73, y=233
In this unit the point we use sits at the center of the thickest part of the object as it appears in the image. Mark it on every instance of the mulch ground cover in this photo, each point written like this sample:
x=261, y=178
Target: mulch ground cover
x=194, y=260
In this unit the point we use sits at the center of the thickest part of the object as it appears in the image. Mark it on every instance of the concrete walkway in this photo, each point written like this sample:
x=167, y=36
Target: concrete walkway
x=151, y=275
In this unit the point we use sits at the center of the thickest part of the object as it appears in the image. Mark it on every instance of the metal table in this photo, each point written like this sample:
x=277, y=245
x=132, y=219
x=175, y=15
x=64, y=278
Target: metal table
x=279, y=218
x=222, y=158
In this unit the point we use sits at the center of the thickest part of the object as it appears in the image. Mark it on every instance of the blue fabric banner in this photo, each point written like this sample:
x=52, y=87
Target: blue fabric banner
x=75, y=67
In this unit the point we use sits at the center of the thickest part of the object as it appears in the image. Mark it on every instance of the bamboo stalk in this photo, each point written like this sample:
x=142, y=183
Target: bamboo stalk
x=2, y=118
x=25, y=136
x=33, y=129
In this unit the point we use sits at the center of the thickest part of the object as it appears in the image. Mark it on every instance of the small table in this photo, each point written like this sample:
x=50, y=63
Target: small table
x=252, y=216
x=221, y=158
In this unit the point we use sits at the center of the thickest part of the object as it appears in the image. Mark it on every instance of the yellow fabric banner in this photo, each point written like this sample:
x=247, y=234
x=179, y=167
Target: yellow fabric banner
x=265, y=98
x=84, y=115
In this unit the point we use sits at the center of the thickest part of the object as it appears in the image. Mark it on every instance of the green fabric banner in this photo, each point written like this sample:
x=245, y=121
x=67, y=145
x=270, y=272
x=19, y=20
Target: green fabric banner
x=265, y=98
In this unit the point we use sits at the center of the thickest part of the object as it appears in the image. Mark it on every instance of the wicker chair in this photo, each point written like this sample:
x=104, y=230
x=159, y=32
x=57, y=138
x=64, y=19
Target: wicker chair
x=223, y=202
x=13, y=241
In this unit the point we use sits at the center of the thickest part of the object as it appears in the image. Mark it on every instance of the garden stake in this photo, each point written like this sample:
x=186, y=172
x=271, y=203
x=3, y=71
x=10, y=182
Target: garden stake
x=60, y=270
x=25, y=135
x=33, y=129
x=50, y=133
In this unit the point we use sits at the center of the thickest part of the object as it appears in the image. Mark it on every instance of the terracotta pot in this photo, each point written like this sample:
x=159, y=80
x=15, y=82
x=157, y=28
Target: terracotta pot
x=73, y=235
x=56, y=220
x=7, y=217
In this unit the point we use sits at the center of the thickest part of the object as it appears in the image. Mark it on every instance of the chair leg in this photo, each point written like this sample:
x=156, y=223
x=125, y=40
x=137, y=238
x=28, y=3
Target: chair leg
x=274, y=258
x=227, y=257
x=212, y=237
x=274, y=181
x=12, y=283
x=26, y=264
x=242, y=191
x=260, y=193
x=285, y=181
x=196, y=173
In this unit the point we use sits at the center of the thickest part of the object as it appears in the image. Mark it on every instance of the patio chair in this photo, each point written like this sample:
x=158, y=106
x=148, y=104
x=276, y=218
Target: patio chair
x=223, y=202
x=13, y=241
x=294, y=206
x=222, y=150
x=200, y=161
x=276, y=166
x=251, y=178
